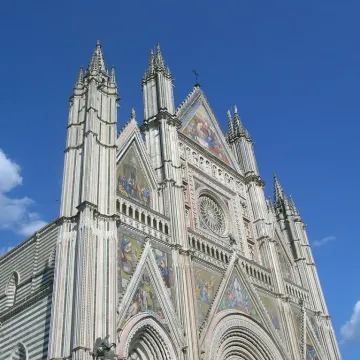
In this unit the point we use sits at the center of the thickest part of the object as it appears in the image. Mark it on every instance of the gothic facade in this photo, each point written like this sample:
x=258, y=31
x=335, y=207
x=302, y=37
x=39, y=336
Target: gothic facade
x=165, y=242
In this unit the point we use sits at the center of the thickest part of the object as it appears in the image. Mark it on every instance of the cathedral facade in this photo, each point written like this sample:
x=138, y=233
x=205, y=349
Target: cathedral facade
x=165, y=247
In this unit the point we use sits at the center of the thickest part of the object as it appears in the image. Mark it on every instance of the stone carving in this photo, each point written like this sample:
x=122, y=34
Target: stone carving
x=102, y=349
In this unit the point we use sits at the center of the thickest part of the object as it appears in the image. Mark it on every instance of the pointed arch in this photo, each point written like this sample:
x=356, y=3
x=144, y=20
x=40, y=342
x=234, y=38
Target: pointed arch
x=234, y=335
x=11, y=289
x=144, y=338
x=19, y=352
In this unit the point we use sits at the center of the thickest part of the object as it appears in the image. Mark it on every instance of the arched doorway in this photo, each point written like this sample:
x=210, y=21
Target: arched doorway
x=143, y=338
x=235, y=336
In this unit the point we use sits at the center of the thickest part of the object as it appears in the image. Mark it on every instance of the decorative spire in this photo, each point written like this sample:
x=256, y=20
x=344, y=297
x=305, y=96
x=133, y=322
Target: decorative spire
x=230, y=125
x=97, y=63
x=152, y=62
x=133, y=114
x=238, y=127
x=112, y=76
x=80, y=80
x=293, y=206
x=279, y=194
x=159, y=60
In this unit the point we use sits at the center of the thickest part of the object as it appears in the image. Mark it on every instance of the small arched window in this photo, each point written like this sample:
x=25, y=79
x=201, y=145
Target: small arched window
x=11, y=289
x=19, y=352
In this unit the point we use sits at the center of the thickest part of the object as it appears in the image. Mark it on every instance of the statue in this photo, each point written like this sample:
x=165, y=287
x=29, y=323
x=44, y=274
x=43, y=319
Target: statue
x=102, y=349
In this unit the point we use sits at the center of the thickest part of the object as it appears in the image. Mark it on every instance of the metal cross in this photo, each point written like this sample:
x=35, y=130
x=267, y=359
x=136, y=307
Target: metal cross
x=196, y=76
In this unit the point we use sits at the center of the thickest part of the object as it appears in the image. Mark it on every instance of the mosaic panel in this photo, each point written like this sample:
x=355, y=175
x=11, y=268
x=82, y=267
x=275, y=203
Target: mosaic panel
x=129, y=251
x=206, y=285
x=311, y=352
x=200, y=130
x=237, y=297
x=272, y=309
x=132, y=181
x=145, y=300
x=164, y=263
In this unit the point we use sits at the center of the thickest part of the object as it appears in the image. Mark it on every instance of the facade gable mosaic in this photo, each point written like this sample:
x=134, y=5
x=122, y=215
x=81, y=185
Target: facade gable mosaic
x=147, y=293
x=201, y=126
x=131, y=135
x=237, y=294
x=132, y=178
x=206, y=282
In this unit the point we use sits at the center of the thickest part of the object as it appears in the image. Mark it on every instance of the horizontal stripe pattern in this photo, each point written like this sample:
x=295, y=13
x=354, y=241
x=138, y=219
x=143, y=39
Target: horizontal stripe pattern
x=29, y=327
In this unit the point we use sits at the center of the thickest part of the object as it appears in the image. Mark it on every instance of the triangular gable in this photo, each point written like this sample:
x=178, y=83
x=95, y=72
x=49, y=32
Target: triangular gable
x=135, y=176
x=206, y=282
x=200, y=125
x=147, y=293
x=237, y=293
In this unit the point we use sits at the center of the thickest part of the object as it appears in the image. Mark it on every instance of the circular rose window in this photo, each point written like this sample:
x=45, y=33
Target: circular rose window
x=211, y=215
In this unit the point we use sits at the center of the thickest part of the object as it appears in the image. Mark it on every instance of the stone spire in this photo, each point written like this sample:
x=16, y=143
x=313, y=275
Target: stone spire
x=80, y=80
x=230, y=126
x=159, y=60
x=156, y=64
x=238, y=126
x=97, y=64
x=112, y=77
x=279, y=193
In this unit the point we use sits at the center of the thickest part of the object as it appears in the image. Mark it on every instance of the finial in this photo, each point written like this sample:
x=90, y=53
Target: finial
x=235, y=109
x=133, y=114
x=98, y=43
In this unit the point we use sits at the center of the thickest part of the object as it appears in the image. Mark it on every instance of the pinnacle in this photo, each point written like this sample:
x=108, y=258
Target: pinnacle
x=156, y=63
x=279, y=193
x=97, y=63
x=80, y=80
x=133, y=114
x=230, y=125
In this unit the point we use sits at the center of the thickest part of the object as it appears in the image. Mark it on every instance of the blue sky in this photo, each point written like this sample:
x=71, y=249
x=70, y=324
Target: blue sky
x=292, y=68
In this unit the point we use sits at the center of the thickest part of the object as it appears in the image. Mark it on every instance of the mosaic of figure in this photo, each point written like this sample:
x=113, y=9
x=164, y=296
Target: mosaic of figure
x=285, y=266
x=311, y=353
x=129, y=253
x=237, y=297
x=131, y=179
x=206, y=285
x=145, y=300
x=199, y=130
x=162, y=261
x=272, y=310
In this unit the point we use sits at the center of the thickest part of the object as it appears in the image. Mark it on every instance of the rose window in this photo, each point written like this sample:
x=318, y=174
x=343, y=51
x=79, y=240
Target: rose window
x=212, y=215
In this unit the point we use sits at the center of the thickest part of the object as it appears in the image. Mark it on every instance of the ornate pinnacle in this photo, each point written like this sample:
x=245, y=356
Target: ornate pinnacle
x=80, y=80
x=238, y=127
x=97, y=63
x=230, y=125
x=151, y=62
x=160, y=64
x=112, y=75
x=279, y=194
x=133, y=114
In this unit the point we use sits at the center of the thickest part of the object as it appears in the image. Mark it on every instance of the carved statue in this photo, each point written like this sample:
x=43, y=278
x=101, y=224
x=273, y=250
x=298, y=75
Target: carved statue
x=102, y=349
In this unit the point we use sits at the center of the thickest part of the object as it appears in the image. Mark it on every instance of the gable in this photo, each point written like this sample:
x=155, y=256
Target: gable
x=200, y=125
x=132, y=180
x=237, y=297
x=147, y=292
x=199, y=128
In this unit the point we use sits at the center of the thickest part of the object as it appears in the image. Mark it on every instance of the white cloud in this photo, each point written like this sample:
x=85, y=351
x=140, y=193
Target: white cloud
x=350, y=331
x=5, y=249
x=14, y=212
x=323, y=241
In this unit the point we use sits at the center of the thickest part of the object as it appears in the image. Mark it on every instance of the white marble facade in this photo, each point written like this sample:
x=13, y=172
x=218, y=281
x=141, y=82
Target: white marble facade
x=165, y=242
